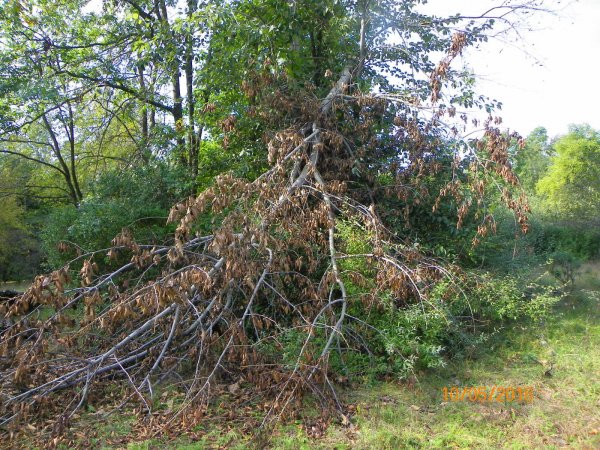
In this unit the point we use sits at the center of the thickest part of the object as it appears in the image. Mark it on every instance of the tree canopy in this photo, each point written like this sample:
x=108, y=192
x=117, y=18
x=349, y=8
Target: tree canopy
x=532, y=161
x=571, y=187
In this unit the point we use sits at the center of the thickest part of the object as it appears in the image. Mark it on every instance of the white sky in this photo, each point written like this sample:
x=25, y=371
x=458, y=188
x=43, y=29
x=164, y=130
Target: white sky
x=549, y=78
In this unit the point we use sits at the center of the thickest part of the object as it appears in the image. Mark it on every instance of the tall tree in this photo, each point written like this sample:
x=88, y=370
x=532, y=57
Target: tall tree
x=40, y=109
x=532, y=161
x=571, y=187
x=345, y=103
x=142, y=50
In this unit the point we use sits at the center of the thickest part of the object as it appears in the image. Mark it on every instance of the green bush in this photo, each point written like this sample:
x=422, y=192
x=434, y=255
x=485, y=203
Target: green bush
x=508, y=250
x=583, y=242
x=397, y=338
x=454, y=320
x=138, y=199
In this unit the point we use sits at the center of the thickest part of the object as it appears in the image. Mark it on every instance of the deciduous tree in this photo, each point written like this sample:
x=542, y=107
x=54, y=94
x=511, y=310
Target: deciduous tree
x=345, y=103
x=571, y=187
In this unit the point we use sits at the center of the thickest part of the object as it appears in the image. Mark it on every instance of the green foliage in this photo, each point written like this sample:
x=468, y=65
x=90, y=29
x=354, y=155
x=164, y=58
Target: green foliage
x=11, y=216
x=13, y=238
x=532, y=161
x=138, y=199
x=562, y=266
x=355, y=242
x=580, y=241
x=508, y=251
x=571, y=188
x=455, y=318
x=497, y=299
x=409, y=337
x=214, y=160
x=454, y=321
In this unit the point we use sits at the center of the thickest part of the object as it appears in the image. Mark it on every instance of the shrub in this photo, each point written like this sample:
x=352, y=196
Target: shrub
x=138, y=199
x=453, y=319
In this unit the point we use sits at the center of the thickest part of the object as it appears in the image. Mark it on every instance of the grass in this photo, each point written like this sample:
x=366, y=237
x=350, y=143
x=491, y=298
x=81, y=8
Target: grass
x=19, y=286
x=563, y=412
x=560, y=359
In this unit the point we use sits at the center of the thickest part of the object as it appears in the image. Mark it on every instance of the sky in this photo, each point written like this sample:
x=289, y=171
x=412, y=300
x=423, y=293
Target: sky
x=546, y=77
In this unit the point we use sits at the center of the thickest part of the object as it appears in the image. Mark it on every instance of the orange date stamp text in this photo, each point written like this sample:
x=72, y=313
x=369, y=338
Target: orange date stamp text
x=488, y=394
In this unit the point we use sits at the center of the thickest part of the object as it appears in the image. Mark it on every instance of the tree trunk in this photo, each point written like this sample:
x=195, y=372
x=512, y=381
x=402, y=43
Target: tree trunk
x=162, y=14
x=193, y=142
x=73, y=192
x=71, y=135
x=143, y=148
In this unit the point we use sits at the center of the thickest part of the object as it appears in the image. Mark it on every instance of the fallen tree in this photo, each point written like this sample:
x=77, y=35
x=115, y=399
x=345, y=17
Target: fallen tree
x=274, y=268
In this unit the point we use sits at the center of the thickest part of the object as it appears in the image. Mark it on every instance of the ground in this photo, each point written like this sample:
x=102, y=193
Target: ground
x=559, y=359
